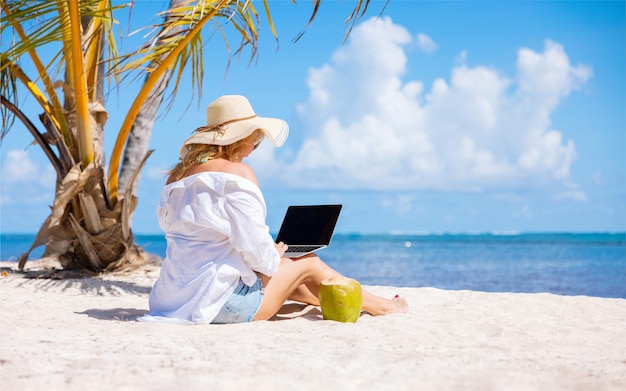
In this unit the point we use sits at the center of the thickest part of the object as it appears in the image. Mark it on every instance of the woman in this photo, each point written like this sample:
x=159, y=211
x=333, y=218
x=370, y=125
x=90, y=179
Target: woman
x=222, y=265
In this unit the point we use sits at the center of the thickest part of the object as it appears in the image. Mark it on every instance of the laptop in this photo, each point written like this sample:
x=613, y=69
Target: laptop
x=307, y=228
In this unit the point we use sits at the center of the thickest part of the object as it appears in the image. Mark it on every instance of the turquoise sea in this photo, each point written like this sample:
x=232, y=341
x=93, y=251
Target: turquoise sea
x=591, y=264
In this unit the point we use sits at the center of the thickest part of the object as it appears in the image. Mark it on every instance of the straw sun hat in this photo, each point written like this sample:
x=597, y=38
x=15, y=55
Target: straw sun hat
x=230, y=118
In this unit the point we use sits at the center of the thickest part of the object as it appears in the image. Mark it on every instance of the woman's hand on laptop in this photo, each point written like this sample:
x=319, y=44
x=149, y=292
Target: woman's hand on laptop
x=281, y=248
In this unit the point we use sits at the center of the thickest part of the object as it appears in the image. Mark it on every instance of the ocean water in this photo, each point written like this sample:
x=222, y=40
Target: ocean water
x=590, y=264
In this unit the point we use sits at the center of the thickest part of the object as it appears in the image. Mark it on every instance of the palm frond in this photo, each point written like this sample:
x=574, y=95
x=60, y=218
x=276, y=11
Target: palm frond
x=192, y=54
x=316, y=6
x=37, y=24
x=93, y=37
x=165, y=37
x=44, y=22
x=357, y=13
x=269, y=19
x=39, y=137
x=8, y=85
x=36, y=18
x=13, y=73
x=355, y=16
x=79, y=84
x=56, y=114
x=99, y=37
x=209, y=11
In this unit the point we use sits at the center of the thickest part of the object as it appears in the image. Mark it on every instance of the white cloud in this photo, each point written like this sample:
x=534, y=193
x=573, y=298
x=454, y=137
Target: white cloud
x=461, y=58
x=18, y=168
x=24, y=181
x=366, y=128
x=573, y=194
x=426, y=43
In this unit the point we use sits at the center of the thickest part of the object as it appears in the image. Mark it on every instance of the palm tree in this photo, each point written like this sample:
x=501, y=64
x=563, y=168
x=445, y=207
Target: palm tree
x=89, y=225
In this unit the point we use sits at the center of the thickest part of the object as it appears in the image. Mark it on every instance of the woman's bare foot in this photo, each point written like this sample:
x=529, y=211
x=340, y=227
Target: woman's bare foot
x=377, y=306
x=400, y=304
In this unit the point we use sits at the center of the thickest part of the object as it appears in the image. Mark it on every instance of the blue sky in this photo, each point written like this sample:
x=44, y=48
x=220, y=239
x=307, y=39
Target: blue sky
x=434, y=117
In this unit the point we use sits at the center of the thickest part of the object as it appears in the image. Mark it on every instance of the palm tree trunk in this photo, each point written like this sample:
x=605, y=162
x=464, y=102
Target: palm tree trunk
x=140, y=134
x=97, y=106
x=141, y=131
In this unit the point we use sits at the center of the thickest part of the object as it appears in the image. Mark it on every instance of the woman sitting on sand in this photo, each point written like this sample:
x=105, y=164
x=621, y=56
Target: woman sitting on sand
x=222, y=265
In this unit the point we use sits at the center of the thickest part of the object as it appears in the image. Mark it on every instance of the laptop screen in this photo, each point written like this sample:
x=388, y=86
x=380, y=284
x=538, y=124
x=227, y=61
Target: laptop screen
x=309, y=224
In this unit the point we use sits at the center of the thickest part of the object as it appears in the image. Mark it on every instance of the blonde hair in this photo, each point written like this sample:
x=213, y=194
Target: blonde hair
x=201, y=153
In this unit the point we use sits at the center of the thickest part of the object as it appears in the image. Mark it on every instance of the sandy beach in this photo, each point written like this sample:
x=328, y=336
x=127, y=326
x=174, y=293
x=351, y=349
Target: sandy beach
x=82, y=333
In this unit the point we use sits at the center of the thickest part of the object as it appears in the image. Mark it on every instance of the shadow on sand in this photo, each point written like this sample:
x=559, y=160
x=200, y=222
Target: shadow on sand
x=115, y=314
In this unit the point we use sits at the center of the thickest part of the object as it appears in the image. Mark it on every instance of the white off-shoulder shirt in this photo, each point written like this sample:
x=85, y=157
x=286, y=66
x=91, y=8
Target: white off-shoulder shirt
x=216, y=233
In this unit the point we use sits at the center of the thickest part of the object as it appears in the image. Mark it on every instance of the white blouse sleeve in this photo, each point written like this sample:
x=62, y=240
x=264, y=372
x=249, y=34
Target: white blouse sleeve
x=249, y=234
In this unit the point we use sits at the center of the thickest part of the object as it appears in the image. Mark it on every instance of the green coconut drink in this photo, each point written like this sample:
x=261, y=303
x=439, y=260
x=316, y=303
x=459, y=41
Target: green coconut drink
x=341, y=299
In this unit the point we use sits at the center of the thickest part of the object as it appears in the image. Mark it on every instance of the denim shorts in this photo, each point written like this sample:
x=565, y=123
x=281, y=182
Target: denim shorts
x=242, y=305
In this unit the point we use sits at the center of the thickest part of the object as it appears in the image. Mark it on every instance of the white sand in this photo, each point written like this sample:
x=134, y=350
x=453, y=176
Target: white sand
x=82, y=334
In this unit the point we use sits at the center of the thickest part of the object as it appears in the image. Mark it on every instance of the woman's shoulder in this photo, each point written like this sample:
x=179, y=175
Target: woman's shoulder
x=240, y=169
x=228, y=167
x=221, y=166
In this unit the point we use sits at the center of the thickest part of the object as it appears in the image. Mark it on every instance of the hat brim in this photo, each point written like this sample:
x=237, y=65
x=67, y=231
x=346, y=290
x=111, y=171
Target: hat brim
x=276, y=130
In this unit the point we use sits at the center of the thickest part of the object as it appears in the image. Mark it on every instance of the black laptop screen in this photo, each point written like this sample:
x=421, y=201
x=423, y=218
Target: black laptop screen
x=309, y=225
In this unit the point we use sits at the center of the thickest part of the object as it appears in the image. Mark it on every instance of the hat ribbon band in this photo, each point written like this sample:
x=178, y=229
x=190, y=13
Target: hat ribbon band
x=219, y=128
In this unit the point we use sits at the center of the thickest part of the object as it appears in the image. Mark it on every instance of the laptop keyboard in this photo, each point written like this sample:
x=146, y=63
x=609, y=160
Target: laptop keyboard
x=302, y=249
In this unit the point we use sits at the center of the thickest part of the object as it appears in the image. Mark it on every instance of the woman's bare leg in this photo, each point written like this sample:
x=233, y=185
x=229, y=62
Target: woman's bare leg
x=290, y=281
x=304, y=295
x=301, y=294
x=310, y=271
